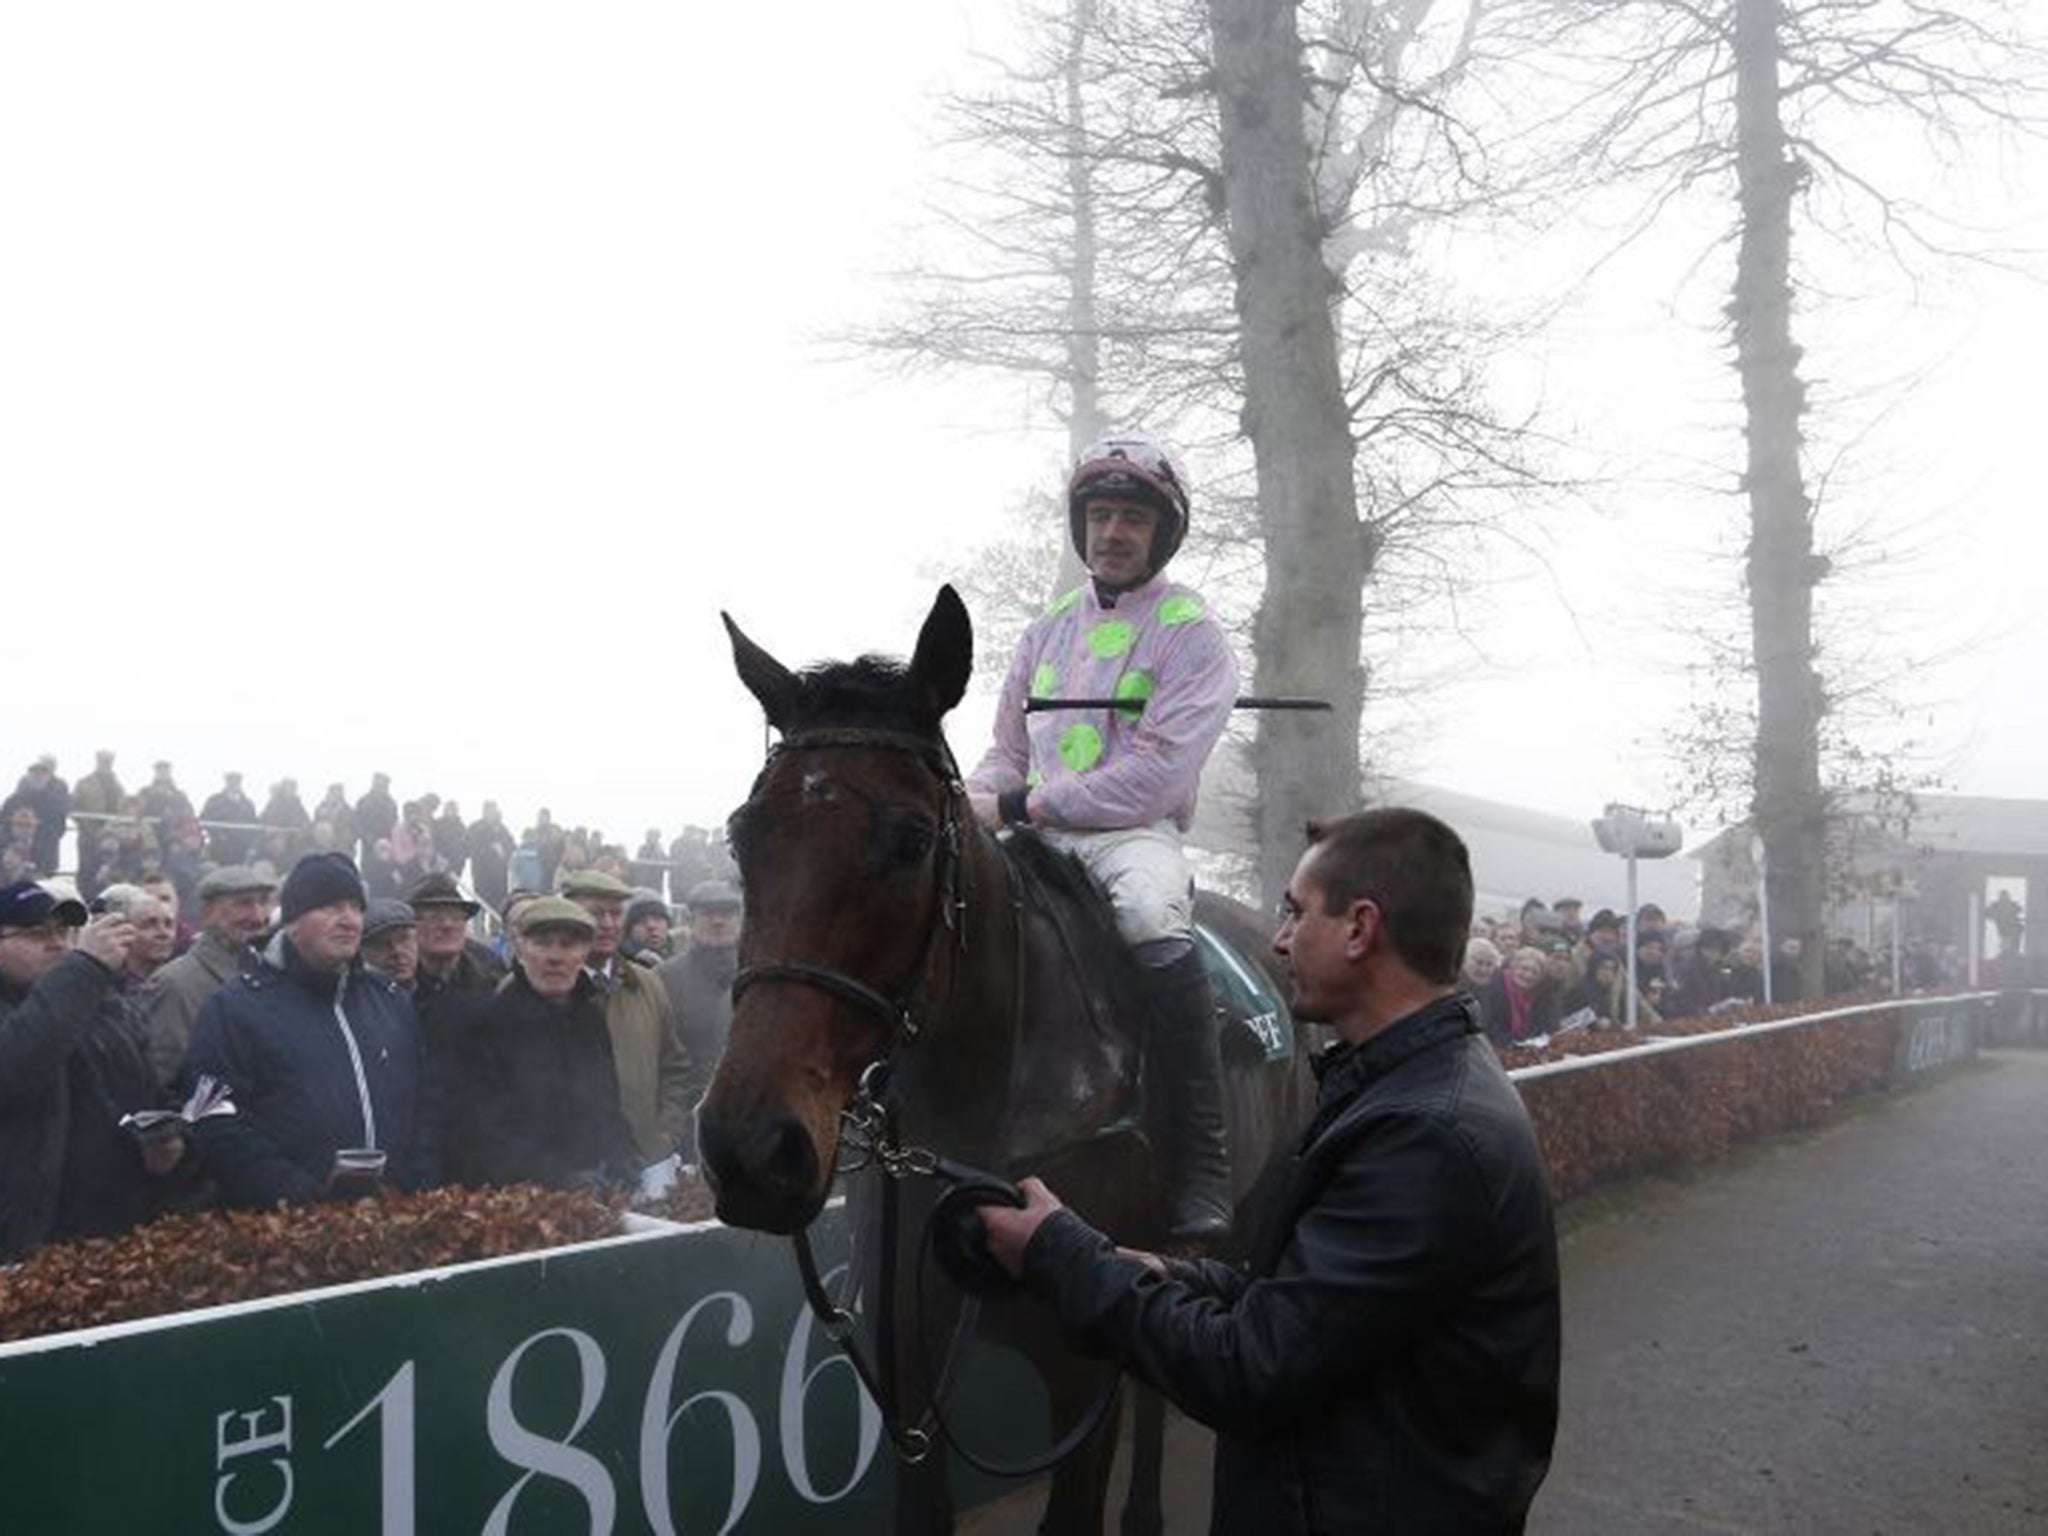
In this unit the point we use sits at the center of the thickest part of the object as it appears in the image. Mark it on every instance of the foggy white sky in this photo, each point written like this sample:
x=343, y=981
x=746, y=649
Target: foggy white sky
x=408, y=387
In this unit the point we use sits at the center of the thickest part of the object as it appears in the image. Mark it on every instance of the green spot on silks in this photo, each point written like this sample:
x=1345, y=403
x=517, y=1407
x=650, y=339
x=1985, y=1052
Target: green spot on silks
x=1137, y=687
x=1112, y=638
x=1034, y=779
x=1181, y=608
x=1045, y=680
x=1080, y=747
x=1063, y=602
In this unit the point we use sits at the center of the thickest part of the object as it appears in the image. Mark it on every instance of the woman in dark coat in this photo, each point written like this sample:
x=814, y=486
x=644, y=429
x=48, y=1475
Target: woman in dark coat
x=525, y=1073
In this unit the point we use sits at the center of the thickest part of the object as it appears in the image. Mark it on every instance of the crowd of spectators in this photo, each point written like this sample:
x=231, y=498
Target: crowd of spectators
x=1549, y=967
x=329, y=976
x=346, y=1024
x=154, y=834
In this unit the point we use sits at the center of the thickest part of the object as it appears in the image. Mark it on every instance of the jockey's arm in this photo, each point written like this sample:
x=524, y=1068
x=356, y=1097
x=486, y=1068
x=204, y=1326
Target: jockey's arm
x=1008, y=759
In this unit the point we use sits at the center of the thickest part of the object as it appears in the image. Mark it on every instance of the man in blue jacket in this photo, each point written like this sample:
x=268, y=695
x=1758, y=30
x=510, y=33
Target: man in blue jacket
x=321, y=1055
x=1389, y=1361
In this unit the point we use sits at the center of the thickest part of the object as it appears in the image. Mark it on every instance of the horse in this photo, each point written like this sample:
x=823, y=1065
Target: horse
x=888, y=935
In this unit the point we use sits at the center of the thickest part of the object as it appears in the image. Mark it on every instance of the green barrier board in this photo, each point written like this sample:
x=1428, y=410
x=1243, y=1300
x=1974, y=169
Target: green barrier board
x=667, y=1381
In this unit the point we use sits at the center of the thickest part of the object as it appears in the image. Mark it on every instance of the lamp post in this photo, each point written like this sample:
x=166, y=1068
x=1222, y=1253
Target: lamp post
x=1635, y=834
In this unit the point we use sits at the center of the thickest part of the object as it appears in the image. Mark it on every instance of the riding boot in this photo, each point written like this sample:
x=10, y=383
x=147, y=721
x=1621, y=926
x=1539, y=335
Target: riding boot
x=1184, y=1073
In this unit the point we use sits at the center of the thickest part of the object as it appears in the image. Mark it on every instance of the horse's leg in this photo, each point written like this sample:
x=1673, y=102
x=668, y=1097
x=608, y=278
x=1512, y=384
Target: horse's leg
x=1142, y=1513
x=1080, y=1484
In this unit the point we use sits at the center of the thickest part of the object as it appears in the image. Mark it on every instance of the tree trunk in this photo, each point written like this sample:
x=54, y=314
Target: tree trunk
x=1789, y=809
x=1307, y=634
x=1085, y=421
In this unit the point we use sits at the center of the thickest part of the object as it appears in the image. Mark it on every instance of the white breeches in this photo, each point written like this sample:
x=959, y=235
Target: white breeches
x=1146, y=875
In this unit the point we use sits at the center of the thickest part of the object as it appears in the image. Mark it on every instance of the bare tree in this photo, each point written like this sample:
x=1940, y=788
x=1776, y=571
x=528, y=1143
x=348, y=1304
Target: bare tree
x=1211, y=219
x=1777, y=105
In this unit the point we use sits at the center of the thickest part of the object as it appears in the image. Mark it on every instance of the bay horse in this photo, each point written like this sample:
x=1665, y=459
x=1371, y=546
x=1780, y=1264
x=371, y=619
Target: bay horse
x=883, y=924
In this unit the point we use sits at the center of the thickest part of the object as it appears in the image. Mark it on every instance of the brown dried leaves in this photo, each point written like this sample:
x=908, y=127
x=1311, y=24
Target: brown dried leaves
x=211, y=1257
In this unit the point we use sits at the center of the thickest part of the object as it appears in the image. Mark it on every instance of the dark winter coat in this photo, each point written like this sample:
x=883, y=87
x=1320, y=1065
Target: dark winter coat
x=315, y=1063
x=376, y=815
x=528, y=1089
x=71, y=1064
x=1496, y=1017
x=52, y=805
x=491, y=845
x=1390, y=1362
x=232, y=805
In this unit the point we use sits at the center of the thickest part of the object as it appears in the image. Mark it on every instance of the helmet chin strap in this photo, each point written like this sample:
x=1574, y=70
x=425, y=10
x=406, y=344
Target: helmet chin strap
x=1107, y=592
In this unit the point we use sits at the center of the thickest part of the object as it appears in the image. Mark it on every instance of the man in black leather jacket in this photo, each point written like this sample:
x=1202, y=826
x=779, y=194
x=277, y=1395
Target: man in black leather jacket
x=1389, y=1362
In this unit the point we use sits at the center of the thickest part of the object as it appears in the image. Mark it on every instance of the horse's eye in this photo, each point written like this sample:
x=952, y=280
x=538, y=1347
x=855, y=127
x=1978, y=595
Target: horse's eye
x=910, y=842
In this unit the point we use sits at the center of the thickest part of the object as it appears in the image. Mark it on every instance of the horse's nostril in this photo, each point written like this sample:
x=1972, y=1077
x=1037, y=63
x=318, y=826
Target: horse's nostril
x=789, y=1162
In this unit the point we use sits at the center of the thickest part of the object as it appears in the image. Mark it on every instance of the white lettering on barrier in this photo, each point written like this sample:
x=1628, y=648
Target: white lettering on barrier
x=657, y=1423
x=542, y=1457
x=253, y=1441
x=395, y=1416
x=796, y=1386
x=395, y=1407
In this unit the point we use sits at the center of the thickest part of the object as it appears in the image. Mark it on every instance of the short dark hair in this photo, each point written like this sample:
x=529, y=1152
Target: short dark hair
x=1415, y=869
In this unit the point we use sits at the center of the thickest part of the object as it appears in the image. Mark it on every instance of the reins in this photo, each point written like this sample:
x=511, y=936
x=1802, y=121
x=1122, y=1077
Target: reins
x=870, y=1126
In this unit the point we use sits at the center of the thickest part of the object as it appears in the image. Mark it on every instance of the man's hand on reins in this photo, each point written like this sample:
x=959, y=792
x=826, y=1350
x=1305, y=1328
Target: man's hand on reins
x=1010, y=1229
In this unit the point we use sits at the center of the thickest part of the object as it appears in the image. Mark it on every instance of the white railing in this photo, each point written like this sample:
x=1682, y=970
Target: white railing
x=1661, y=1044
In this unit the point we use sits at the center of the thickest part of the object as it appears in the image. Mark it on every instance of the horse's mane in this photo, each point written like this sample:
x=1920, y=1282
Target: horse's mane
x=872, y=691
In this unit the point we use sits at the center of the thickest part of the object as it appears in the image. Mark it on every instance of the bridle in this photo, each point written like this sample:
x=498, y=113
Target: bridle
x=870, y=1126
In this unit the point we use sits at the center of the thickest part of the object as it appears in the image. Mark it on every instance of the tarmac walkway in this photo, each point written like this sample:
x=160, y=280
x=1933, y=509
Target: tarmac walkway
x=1842, y=1330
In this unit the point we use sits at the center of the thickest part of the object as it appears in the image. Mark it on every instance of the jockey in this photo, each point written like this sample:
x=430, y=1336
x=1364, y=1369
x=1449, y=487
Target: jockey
x=1116, y=786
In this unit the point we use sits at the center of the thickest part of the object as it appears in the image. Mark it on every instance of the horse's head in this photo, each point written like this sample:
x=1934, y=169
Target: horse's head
x=846, y=846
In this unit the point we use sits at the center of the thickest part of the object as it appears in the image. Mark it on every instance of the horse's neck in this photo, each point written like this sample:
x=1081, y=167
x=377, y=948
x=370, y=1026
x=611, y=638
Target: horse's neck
x=1032, y=1049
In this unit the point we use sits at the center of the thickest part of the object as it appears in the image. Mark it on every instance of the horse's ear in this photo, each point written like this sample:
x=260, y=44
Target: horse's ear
x=945, y=654
x=766, y=678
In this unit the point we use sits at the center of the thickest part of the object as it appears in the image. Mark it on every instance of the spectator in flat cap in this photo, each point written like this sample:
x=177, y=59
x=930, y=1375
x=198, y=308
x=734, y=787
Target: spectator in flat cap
x=526, y=1073
x=234, y=911
x=647, y=928
x=450, y=965
x=72, y=1063
x=321, y=1054
x=391, y=940
x=653, y=1070
x=699, y=985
